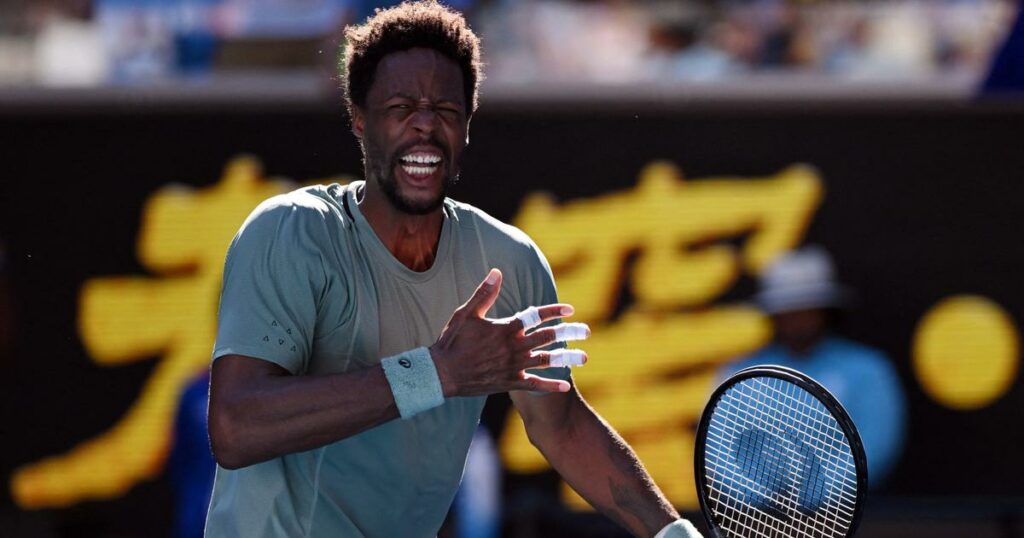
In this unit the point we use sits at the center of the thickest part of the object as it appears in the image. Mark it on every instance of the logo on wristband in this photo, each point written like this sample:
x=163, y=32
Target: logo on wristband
x=405, y=363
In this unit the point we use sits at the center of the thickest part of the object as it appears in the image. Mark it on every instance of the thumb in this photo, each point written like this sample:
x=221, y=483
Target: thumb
x=485, y=295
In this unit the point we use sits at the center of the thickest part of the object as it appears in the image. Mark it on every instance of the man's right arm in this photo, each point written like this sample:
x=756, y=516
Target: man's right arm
x=259, y=411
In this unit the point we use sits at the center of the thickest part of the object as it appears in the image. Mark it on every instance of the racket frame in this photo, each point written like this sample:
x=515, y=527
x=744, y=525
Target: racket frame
x=805, y=382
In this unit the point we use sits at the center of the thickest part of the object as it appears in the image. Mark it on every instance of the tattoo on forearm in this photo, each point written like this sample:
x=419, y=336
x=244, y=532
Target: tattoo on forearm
x=635, y=496
x=629, y=505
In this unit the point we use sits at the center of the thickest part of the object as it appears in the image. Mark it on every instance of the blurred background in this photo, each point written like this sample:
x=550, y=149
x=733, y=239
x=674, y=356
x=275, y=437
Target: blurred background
x=936, y=47
x=663, y=154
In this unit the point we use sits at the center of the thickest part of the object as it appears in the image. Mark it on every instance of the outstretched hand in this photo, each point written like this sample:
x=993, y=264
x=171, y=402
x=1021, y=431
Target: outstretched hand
x=477, y=356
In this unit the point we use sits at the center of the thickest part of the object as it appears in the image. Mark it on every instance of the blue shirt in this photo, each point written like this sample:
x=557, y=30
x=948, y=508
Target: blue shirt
x=863, y=380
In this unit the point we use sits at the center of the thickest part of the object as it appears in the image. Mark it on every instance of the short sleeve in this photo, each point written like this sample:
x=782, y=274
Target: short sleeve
x=273, y=280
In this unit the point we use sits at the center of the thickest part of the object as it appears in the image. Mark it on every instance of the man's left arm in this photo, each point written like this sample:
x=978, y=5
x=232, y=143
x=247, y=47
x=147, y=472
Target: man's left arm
x=597, y=462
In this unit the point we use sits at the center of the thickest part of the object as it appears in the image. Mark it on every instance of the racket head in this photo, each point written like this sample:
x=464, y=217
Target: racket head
x=794, y=518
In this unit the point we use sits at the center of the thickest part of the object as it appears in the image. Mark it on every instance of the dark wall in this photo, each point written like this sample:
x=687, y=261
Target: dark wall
x=920, y=203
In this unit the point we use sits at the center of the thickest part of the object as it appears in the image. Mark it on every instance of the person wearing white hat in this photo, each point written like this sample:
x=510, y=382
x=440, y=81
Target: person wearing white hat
x=800, y=293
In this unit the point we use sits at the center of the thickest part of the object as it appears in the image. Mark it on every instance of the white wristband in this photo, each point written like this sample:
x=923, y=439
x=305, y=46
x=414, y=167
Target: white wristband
x=679, y=528
x=414, y=382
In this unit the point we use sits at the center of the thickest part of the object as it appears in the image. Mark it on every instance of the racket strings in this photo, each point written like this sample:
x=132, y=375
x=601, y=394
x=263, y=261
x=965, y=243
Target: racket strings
x=774, y=402
x=778, y=464
x=827, y=439
x=752, y=518
x=788, y=502
x=738, y=421
x=838, y=461
x=824, y=422
x=835, y=444
x=791, y=504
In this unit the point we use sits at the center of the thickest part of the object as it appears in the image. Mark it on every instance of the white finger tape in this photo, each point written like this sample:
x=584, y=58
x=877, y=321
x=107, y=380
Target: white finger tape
x=567, y=357
x=530, y=318
x=567, y=332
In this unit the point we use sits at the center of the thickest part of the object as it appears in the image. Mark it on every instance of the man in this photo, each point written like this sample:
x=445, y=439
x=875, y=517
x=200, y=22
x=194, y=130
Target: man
x=799, y=291
x=347, y=379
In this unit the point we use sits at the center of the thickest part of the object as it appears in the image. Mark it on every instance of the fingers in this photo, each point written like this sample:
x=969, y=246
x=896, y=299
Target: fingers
x=530, y=318
x=558, y=357
x=534, y=315
x=485, y=295
x=568, y=332
x=564, y=332
x=540, y=384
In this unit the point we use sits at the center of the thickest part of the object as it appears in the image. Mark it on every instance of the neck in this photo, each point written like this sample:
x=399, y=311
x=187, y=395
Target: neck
x=411, y=239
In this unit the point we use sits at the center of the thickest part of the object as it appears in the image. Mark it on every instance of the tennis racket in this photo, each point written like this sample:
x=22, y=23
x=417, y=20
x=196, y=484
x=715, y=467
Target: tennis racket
x=778, y=457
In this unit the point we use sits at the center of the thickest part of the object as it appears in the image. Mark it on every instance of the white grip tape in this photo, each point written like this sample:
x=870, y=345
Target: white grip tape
x=679, y=528
x=567, y=332
x=567, y=357
x=530, y=318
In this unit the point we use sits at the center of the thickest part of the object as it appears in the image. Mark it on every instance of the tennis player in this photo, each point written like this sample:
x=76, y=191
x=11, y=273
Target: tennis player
x=362, y=326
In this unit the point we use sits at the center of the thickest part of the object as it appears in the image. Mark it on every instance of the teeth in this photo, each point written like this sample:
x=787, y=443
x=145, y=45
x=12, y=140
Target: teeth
x=421, y=158
x=419, y=170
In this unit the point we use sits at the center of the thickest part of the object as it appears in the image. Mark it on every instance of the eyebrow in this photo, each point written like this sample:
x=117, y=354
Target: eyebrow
x=403, y=95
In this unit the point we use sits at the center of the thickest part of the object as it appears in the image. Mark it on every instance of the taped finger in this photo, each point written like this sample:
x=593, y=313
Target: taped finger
x=567, y=332
x=530, y=318
x=567, y=357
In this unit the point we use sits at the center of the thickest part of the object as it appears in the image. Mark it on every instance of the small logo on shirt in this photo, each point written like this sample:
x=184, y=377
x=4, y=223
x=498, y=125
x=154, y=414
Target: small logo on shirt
x=405, y=363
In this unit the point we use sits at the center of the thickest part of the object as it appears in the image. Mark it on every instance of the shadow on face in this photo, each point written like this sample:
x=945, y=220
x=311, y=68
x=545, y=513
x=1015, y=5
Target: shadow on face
x=413, y=127
x=799, y=330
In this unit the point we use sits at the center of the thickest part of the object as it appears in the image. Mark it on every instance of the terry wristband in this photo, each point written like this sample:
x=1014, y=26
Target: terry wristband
x=679, y=528
x=414, y=382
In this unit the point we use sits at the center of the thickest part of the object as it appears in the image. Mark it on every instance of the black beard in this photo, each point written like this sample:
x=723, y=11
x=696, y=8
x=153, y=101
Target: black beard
x=389, y=185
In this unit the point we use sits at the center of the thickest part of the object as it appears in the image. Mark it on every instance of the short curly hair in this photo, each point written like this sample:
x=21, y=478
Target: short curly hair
x=412, y=24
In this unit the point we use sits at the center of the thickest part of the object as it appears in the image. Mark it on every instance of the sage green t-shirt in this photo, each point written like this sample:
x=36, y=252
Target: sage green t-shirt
x=309, y=286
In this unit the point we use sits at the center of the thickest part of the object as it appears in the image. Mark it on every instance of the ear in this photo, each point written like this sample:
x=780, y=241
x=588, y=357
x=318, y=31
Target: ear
x=358, y=121
x=469, y=120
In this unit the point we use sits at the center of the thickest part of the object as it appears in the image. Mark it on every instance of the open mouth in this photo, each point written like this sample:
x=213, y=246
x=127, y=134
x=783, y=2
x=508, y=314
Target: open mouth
x=420, y=164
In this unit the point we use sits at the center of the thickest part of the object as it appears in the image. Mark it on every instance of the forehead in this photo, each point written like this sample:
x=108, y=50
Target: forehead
x=418, y=73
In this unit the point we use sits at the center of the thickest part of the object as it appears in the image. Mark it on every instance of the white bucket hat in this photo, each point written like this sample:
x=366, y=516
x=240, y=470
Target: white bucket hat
x=800, y=280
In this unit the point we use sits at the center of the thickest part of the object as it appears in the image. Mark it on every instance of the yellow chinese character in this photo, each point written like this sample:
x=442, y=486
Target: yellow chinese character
x=652, y=366
x=183, y=238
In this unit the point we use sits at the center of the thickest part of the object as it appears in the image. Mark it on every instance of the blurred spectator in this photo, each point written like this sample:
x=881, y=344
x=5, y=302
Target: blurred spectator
x=800, y=293
x=477, y=504
x=362, y=9
x=148, y=40
x=138, y=37
x=1007, y=72
x=681, y=52
x=83, y=42
x=283, y=18
x=190, y=465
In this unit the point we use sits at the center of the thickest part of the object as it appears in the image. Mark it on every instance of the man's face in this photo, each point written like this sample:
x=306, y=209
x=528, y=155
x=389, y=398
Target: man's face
x=801, y=329
x=413, y=128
